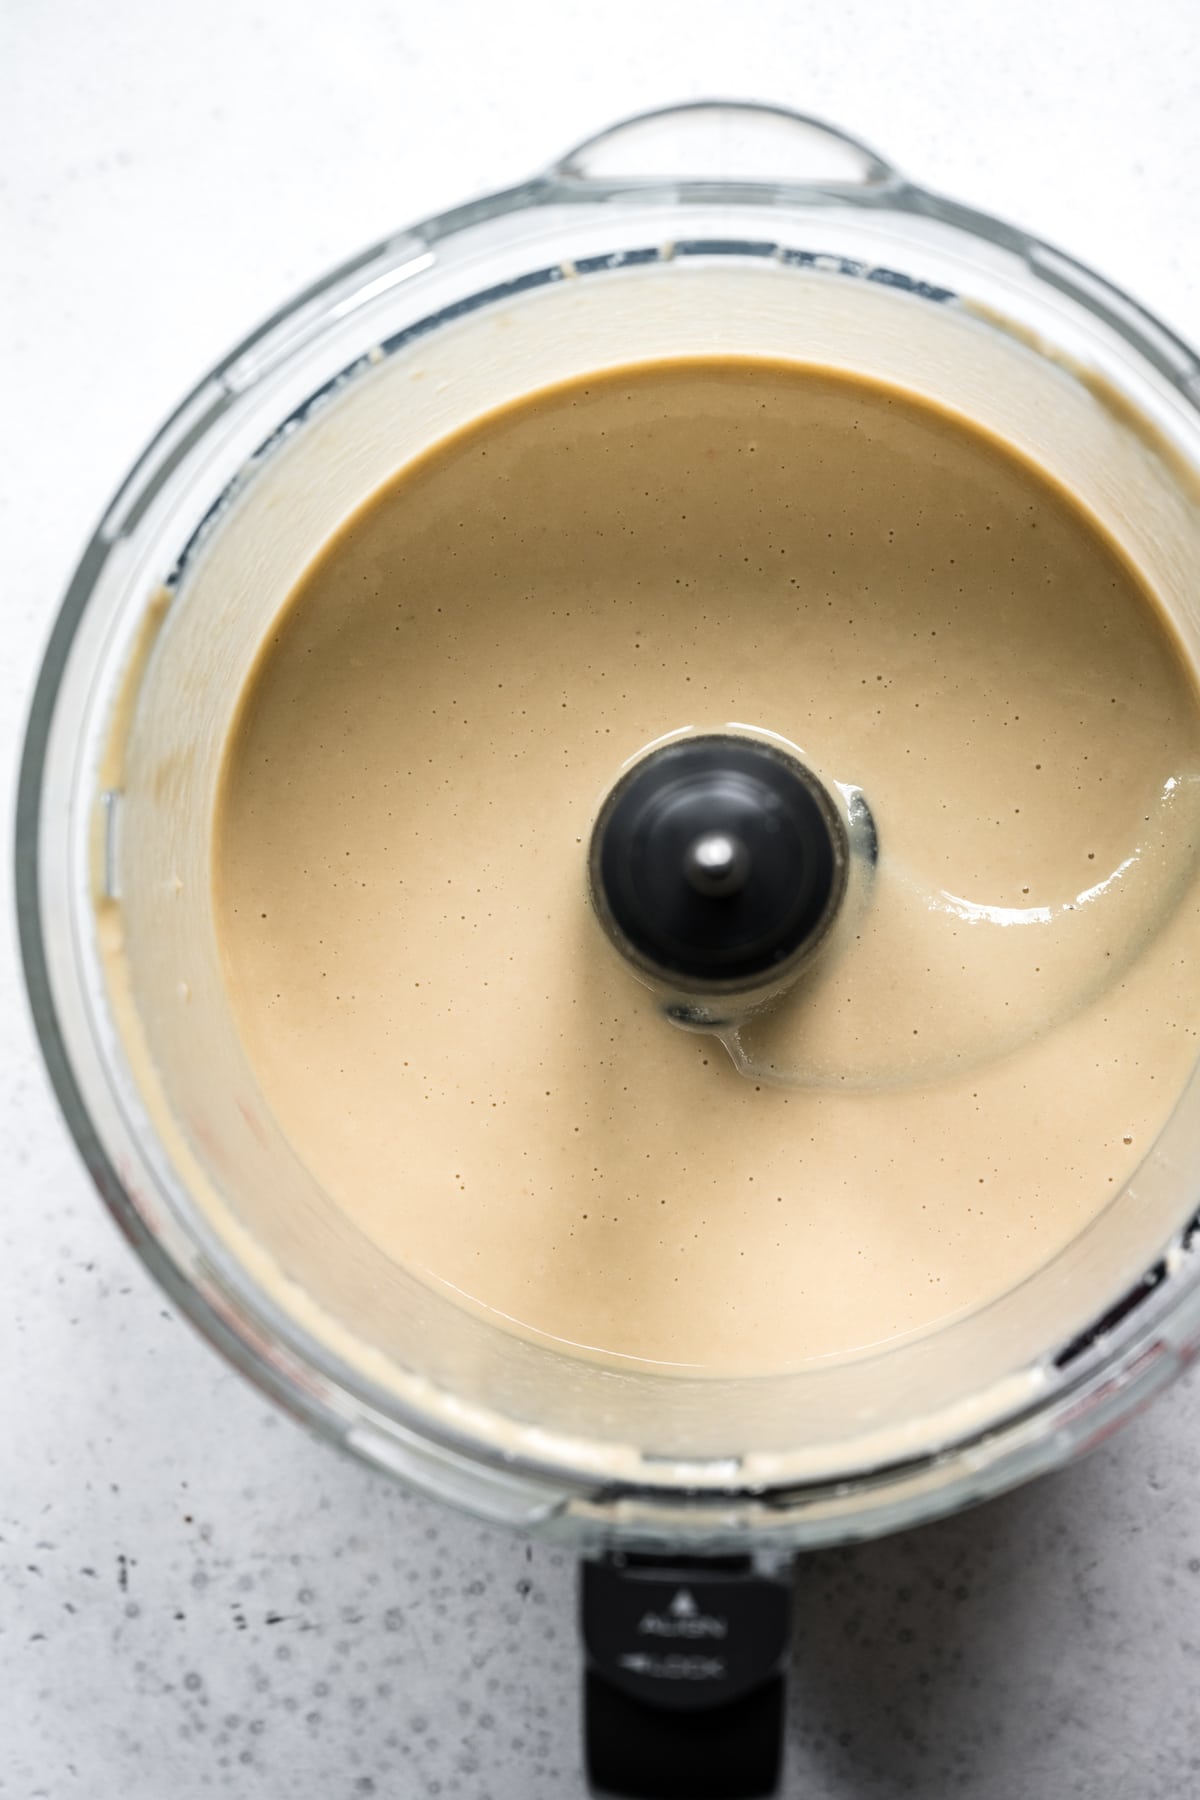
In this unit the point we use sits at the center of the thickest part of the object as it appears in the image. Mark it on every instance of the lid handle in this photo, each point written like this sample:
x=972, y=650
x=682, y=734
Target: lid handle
x=704, y=141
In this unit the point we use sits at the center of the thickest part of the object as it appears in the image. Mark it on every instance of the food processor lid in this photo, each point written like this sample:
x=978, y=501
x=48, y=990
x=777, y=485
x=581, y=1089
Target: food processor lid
x=694, y=203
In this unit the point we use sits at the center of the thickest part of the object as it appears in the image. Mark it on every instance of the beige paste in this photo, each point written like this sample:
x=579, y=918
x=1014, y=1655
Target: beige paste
x=436, y=1018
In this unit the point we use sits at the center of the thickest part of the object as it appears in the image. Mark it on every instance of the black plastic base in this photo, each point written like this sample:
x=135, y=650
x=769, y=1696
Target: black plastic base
x=640, y=1752
x=684, y=1691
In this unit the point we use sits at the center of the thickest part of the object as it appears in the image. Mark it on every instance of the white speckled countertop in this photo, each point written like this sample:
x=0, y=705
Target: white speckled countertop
x=194, y=1598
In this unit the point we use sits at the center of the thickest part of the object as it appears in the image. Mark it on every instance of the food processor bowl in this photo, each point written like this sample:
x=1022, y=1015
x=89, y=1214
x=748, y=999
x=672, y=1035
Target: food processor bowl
x=712, y=228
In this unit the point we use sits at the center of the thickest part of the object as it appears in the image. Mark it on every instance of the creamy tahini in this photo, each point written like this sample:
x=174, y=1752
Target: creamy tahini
x=959, y=1084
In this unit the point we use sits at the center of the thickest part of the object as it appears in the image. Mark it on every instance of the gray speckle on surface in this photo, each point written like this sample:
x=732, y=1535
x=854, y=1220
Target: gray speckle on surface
x=1045, y=1645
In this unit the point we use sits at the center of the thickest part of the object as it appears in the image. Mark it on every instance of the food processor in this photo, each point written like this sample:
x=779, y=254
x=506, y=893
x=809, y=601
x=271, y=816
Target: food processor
x=712, y=227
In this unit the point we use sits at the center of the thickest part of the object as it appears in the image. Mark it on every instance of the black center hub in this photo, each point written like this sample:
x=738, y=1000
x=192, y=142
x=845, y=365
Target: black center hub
x=716, y=862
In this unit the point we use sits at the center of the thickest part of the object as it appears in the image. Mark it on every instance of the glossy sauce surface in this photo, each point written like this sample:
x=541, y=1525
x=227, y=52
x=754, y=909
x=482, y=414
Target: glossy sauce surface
x=438, y=1022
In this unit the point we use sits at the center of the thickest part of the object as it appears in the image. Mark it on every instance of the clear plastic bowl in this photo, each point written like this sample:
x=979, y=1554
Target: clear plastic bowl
x=703, y=228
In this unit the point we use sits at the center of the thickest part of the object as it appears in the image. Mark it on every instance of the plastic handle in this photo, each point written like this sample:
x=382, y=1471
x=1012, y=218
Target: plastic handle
x=725, y=141
x=684, y=1677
